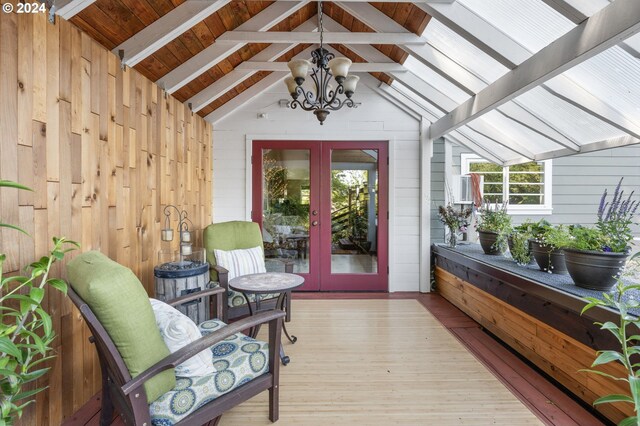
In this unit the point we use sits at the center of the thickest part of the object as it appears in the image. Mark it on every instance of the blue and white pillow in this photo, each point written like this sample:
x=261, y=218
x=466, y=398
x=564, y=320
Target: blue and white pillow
x=178, y=330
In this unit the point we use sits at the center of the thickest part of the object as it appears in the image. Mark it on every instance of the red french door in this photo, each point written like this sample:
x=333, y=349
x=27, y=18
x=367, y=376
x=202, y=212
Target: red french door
x=324, y=206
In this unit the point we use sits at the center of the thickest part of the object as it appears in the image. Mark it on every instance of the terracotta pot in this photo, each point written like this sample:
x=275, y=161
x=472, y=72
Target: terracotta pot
x=548, y=259
x=594, y=270
x=487, y=241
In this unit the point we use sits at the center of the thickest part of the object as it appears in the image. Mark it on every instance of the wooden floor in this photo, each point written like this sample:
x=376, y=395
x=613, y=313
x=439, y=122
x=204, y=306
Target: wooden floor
x=385, y=359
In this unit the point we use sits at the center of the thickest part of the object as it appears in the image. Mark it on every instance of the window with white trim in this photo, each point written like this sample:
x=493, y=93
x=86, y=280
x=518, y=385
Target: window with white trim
x=526, y=186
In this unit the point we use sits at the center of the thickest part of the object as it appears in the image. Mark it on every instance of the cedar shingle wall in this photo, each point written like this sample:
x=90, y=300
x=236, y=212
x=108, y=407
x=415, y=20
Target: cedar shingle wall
x=104, y=152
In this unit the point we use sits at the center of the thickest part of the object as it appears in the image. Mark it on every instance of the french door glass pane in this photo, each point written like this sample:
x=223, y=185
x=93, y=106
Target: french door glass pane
x=354, y=211
x=285, y=207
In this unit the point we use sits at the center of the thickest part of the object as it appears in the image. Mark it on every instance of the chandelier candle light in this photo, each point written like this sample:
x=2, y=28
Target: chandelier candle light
x=322, y=99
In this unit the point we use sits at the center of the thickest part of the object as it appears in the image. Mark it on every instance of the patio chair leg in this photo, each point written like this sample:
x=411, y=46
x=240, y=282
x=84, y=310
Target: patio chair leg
x=274, y=403
x=106, y=408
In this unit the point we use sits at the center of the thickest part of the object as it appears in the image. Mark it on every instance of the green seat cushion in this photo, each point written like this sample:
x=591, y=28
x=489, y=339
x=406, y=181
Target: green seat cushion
x=238, y=359
x=121, y=304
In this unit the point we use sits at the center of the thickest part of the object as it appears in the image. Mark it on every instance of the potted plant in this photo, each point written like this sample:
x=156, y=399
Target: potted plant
x=494, y=225
x=596, y=256
x=519, y=245
x=26, y=332
x=626, y=332
x=547, y=245
x=456, y=221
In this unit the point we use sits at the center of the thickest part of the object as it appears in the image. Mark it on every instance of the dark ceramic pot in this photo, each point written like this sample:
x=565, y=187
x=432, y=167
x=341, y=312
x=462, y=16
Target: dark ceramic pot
x=593, y=269
x=548, y=259
x=487, y=241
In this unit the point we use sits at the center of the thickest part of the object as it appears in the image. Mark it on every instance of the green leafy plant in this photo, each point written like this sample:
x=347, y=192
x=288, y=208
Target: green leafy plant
x=494, y=218
x=555, y=237
x=589, y=239
x=26, y=332
x=627, y=333
x=519, y=247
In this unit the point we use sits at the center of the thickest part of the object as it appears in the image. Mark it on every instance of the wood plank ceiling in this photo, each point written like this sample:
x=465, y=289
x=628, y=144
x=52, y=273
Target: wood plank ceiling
x=111, y=22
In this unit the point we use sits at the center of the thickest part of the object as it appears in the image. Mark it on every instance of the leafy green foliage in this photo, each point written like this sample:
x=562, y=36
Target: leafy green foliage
x=556, y=237
x=627, y=333
x=520, y=247
x=584, y=238
x=494, y=218
x=26, y=332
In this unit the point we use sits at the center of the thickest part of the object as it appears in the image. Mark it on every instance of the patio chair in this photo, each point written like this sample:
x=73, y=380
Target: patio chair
x=239, y=235
x=138, y=376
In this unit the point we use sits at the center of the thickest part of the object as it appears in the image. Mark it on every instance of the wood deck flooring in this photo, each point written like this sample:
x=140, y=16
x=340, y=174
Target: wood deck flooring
x=383, y=359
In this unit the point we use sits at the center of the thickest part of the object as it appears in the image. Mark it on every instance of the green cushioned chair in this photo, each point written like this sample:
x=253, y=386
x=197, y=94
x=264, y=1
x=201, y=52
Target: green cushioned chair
x=138, y=375
x=237, y=235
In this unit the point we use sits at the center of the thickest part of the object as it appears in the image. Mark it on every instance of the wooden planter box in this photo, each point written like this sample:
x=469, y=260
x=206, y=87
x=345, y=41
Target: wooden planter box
x=541, y=323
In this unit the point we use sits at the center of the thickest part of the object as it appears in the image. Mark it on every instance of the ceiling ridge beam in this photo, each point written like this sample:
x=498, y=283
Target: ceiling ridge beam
x=212, y=55
x=310, y=37
x=165, y=29
x=603, y=30
x=478, y=32
x=355, y=67
x=426, y=54
x=252, y=92
x=235, y=77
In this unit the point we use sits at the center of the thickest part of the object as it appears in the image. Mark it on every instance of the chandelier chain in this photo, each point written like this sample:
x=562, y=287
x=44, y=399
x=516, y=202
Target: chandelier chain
x=320, y=22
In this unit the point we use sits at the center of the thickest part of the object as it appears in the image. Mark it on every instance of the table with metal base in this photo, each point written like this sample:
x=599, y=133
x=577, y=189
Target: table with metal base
x=267, y=283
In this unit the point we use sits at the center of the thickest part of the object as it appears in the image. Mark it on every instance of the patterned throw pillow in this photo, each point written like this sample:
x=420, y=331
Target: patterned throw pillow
x=241, y=262
x=178, y=330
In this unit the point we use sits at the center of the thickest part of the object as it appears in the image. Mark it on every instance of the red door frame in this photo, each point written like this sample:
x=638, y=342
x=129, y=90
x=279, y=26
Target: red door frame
x=311, y=279
x=355, y=282
x=320, y=189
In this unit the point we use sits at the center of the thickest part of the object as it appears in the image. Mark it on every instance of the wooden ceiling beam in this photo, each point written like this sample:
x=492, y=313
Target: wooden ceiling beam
x=463, y=140
x=209, y=57
x=426, y=54
x=351, y=38
x=252, y=92
x=67, y=9
x=235, y=77
x=601, y=31
x=166, y=29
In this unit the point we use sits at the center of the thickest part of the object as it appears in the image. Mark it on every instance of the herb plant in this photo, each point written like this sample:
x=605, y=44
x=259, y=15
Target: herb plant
x=520, y=247
x=26, y=332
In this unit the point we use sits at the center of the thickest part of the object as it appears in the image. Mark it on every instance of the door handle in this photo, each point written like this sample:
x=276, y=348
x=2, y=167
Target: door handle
x=314, y=223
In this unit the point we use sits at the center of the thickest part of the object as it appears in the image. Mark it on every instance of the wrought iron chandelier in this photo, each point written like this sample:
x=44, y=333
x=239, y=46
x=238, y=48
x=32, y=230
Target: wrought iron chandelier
x=322, y=99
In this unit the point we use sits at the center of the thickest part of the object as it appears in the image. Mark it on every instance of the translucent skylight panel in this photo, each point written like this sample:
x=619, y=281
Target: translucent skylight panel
x=531, y=23
x=634, y=43
x=436, y=80
x=461, y=51
x=417, y=100
x=588, y=7
x=566, y=118
x=463, y=134
x=534, y=141
x=614, y=77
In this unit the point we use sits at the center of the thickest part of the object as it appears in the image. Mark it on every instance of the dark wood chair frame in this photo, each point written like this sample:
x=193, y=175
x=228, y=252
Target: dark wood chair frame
x=129, y=396
x=229, y=313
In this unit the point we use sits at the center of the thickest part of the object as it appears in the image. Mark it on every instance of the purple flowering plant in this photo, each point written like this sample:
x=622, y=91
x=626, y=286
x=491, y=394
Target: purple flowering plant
x=615, y=218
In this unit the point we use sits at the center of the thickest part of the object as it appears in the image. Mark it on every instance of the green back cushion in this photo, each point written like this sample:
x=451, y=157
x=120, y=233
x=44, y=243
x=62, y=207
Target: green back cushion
x=120, y=302
x=230, y=236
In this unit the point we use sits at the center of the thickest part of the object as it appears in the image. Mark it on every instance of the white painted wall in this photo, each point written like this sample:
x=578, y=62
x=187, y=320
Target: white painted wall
x=375, y=119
